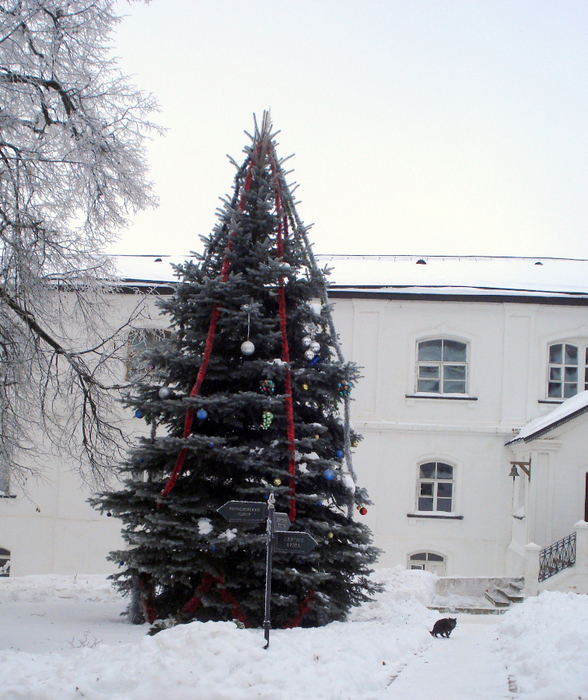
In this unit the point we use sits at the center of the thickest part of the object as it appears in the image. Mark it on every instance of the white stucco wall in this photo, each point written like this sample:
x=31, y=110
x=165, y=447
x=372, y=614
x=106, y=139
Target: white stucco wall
x=53, y=529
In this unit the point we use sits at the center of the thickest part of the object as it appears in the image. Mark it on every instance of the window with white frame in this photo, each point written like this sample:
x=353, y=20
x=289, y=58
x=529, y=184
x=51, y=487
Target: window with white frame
x=435, y=488
x=441, y=366
x=567, y=370
x=4, y=562
x=427, y=561
x=141, y=340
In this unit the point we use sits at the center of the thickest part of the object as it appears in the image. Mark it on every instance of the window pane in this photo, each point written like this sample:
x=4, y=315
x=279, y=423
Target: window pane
x=429, y=372
x=430, y=350
x=454, y=372
x=571, y=374
x=444, y=471
x=570, y=390
x=434, y=557
x=425, y=504
x=554, y=391
x=421, y=556
x=428, y=470
x=571, y=355
x=430, y=387
x=454, y=388
x=444, y=489
x=444, y=505
x=426, y=489
x=454, y=351
x=555, y=374
x=555, y=354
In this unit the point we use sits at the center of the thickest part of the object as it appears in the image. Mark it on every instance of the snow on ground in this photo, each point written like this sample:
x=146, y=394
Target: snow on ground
x=62, y=638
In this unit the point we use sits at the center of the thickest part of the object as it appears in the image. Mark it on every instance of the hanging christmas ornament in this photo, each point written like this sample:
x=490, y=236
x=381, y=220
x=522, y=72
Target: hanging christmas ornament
x=330, y=535
x=363, y=511
x=139, y=413
x=211, y=444
x=355, y=443
x=315, y=347
x=277, y=482
x=339, y=454
x=267, y=419
x=165, y=392
x=317, y=436
x=247, y=347
x=202, y=414
x=344, y=388
x=307, y=341
x=309, y=354
x=267, y=386
x=109, y=514
x=329, y=474
x=305, y=387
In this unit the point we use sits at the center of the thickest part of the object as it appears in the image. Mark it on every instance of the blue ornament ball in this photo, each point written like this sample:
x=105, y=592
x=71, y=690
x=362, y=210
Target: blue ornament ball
x=202, y=414
x=339, y=454
x=139, y=413
x=211, y=444
x=212, y=548
x=329, y=474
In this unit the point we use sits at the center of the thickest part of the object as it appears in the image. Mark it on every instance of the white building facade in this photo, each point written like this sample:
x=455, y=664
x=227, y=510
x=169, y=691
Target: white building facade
x=458, y=355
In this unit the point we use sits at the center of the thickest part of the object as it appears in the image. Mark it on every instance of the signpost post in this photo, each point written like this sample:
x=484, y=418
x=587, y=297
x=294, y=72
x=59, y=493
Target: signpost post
x=277, y=536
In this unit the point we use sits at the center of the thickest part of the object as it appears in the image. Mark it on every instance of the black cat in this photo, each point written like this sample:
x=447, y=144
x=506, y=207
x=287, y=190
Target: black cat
x=444, y=627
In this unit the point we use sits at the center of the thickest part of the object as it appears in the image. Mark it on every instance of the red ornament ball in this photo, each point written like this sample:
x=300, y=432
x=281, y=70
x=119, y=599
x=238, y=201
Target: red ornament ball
x=363, y=511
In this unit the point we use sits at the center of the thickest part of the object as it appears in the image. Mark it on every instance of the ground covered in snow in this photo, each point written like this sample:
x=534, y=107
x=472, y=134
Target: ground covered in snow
x=62, y=638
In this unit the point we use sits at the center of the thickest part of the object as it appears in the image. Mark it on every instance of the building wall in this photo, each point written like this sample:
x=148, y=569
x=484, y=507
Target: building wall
x=51, y=528
x=507, y=363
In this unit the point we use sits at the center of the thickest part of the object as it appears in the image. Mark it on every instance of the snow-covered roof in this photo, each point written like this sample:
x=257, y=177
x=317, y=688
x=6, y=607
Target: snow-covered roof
x=571, y=408
x=519, y=277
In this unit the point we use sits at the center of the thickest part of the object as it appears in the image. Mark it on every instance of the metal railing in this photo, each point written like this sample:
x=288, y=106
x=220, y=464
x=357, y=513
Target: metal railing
x=557, y=557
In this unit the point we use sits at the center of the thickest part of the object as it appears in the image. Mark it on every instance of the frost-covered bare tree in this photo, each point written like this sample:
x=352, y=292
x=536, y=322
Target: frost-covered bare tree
x=72, y=170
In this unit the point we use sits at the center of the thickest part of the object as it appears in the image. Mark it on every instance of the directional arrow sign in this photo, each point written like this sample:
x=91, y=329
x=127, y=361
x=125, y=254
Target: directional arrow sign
x=243, y=511
x=281, y=522
x=295, y=542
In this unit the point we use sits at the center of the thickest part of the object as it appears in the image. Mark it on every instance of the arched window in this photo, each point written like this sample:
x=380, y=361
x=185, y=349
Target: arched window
x=435, y=490
x=4, y=562
x=427, y=561
x=566, y=370
x=441, y=366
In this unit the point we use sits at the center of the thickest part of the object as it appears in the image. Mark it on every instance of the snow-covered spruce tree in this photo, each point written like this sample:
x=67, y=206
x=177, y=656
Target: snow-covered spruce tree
x=246, y=397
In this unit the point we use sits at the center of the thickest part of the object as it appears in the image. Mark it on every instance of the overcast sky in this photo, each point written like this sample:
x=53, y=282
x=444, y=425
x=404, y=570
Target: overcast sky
x=454, y=127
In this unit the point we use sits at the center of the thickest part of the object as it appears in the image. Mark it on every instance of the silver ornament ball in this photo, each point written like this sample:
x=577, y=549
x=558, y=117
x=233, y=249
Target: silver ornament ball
x=165, y=392
x=247, y=347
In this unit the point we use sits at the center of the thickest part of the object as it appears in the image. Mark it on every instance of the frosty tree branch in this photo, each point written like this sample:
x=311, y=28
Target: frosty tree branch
x=72, y=170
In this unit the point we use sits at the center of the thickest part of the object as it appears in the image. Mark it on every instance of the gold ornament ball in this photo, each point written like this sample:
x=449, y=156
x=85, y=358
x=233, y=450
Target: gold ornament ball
x=330, y=535
x=305, y=387
x=316, y=437
x=277, y=482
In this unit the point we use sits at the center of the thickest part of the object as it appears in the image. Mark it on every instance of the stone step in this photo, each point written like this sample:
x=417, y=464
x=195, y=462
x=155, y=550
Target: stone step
x=513, y=593
x=497, y=598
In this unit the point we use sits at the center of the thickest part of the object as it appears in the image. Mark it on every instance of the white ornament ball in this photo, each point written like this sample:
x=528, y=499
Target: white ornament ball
x=247, y=347
x=315, y=347
x=165, y=392
x=309, y=354
x=306, y=341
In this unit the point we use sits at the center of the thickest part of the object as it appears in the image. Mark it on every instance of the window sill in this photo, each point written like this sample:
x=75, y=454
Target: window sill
x=447, y=397
x=552, y=401
x=7, y=495
x=435, y=516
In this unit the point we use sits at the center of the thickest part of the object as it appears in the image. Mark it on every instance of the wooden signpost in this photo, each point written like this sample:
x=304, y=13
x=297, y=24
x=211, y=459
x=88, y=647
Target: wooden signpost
x=277, y=537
